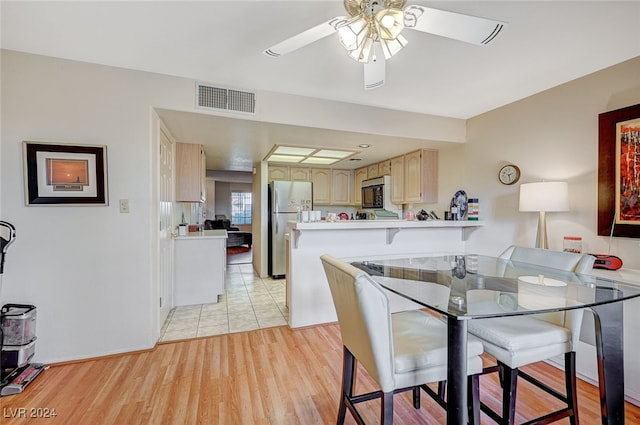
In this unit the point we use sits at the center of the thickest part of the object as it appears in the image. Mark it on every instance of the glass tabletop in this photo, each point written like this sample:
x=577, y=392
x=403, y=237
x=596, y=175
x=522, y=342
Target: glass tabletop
x=467, y=286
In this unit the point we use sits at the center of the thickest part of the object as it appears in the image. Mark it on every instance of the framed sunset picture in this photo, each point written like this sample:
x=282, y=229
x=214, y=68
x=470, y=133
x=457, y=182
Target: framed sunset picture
x=65, y=174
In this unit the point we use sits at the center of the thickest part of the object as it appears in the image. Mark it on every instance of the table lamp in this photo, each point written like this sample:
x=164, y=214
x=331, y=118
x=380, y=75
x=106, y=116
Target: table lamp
x=544, y=197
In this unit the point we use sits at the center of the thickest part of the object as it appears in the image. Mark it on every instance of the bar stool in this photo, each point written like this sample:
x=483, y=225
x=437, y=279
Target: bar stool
x=521, y=340
x=400, y=351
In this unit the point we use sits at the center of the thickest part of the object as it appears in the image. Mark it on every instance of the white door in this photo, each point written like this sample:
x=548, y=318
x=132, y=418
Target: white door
x=167, y=227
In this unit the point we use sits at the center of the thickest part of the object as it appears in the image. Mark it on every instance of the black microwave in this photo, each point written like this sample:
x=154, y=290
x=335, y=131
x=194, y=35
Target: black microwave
x=373, y=193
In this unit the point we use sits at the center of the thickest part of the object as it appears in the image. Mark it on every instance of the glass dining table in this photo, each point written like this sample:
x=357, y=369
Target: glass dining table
x=473, y=287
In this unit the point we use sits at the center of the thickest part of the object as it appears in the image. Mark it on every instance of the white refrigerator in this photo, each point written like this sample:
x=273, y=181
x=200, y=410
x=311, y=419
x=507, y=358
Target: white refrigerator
x=285, y=200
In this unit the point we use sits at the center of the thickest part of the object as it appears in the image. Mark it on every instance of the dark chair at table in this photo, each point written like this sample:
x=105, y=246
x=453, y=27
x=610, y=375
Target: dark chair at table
x=401, y=351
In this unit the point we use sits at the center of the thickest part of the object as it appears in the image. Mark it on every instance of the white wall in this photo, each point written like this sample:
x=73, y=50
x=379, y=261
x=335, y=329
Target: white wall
x=91, y=270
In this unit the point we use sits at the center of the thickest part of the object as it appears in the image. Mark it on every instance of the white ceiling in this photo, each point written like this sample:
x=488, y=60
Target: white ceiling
x=546, y=43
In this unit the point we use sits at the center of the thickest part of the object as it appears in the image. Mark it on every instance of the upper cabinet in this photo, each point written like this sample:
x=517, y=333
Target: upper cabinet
x=421, y=176
x=190, y=173
x=299, y=174
x=384, y=168
x=294, y=174
x=396, y=166
x=278, y=173
x=321, y=178
x=372, y=171
x=341, y=187
x=359, y=176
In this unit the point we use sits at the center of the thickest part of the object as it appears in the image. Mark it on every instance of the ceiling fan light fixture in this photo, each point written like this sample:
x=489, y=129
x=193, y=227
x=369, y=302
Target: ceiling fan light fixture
x=389, y=23
x=362, y=53
x=391, y=47
x=353, y=33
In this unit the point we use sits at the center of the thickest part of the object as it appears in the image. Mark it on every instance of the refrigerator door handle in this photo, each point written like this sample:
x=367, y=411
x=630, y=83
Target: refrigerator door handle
x=276, y=227
x=275, y=201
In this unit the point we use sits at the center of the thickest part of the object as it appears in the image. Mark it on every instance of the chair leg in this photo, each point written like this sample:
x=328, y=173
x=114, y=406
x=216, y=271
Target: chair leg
x=571, y=386
x=386, y=416
x=442, y=389
x=473, y=399
x=348, y=377
x=416, y=397
x=509, y=390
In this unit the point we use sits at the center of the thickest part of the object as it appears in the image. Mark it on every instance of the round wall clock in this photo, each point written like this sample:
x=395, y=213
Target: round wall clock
x=509, y=174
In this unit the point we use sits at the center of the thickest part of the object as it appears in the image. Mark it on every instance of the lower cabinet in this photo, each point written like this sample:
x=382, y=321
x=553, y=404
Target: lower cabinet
x=200, y=266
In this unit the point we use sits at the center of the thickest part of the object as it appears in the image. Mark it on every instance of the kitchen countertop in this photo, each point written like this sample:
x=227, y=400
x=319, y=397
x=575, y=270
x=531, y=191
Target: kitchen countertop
x=381, y=224
x=207, y=234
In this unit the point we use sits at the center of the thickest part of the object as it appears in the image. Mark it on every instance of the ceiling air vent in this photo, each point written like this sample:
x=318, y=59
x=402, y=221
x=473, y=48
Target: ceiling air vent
x=218, y=98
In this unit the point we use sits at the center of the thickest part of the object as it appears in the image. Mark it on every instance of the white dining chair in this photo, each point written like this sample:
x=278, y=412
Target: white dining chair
x=517, y=341
x=401, y=351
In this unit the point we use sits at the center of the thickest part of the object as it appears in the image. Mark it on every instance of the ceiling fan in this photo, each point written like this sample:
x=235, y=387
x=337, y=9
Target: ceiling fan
x=372, y=32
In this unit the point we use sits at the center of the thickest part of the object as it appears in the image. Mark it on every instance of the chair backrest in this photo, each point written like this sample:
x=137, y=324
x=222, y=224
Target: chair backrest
x=567, y=261
x=364, y=316
x=564, y=261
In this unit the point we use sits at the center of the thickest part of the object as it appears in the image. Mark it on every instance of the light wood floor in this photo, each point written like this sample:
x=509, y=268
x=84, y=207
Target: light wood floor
x=268, y=376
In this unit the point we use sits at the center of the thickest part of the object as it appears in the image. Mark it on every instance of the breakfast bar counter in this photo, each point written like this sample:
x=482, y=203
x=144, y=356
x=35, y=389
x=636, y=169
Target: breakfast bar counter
x=308, y=295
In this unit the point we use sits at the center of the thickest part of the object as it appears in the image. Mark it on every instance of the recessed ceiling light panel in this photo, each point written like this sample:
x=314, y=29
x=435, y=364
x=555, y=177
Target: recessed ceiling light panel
x=332, y=153
x=306, y=155
x=293, y=150
x=322, y=161
x=285, y=158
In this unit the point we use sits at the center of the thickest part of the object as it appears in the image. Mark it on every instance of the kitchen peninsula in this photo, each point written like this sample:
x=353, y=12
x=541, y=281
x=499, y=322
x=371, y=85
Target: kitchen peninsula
x=201, y=262
x=308, y=295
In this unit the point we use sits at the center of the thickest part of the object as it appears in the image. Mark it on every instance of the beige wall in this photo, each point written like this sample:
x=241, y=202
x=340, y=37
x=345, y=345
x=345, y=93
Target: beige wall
x=550, y=136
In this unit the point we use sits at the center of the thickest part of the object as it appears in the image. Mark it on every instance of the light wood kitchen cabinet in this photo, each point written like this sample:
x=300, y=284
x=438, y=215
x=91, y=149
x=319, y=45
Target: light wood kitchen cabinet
x=397, y=179
x=372, y=171
x=299, y=174
x=384, y=168
x=341, y=181
x=190, y=173
x=321, y=179
x=359, y=175
x=278, y=173
x=421, y=176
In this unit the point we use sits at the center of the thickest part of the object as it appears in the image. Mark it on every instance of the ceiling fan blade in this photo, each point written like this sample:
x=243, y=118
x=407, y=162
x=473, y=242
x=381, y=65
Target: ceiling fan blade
x=471, y=29
x=374, y=70
x=306, y=37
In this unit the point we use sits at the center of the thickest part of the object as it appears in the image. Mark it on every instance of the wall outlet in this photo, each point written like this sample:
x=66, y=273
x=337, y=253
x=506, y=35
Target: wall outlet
x=124, y=205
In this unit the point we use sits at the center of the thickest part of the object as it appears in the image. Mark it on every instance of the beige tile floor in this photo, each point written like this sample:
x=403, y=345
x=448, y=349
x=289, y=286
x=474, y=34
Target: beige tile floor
x=248, y=303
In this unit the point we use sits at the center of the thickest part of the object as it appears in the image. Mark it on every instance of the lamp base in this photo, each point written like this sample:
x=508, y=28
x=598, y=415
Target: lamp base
x=541, y=238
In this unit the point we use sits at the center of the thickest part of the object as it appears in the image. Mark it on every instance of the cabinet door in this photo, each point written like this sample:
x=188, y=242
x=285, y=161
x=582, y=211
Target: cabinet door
x=298, y=174
x=384, y=168
x=278, y=172
x=372, y=171
x=397, y=180
x=360, y=175
x=190, y=173
x=341, y=181
x=321, y=179
x=412, y=177
x=429, y=176
x=421, y=176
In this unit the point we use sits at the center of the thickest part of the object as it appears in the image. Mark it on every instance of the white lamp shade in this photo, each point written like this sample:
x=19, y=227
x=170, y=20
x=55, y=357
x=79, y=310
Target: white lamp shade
x=544, y=196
